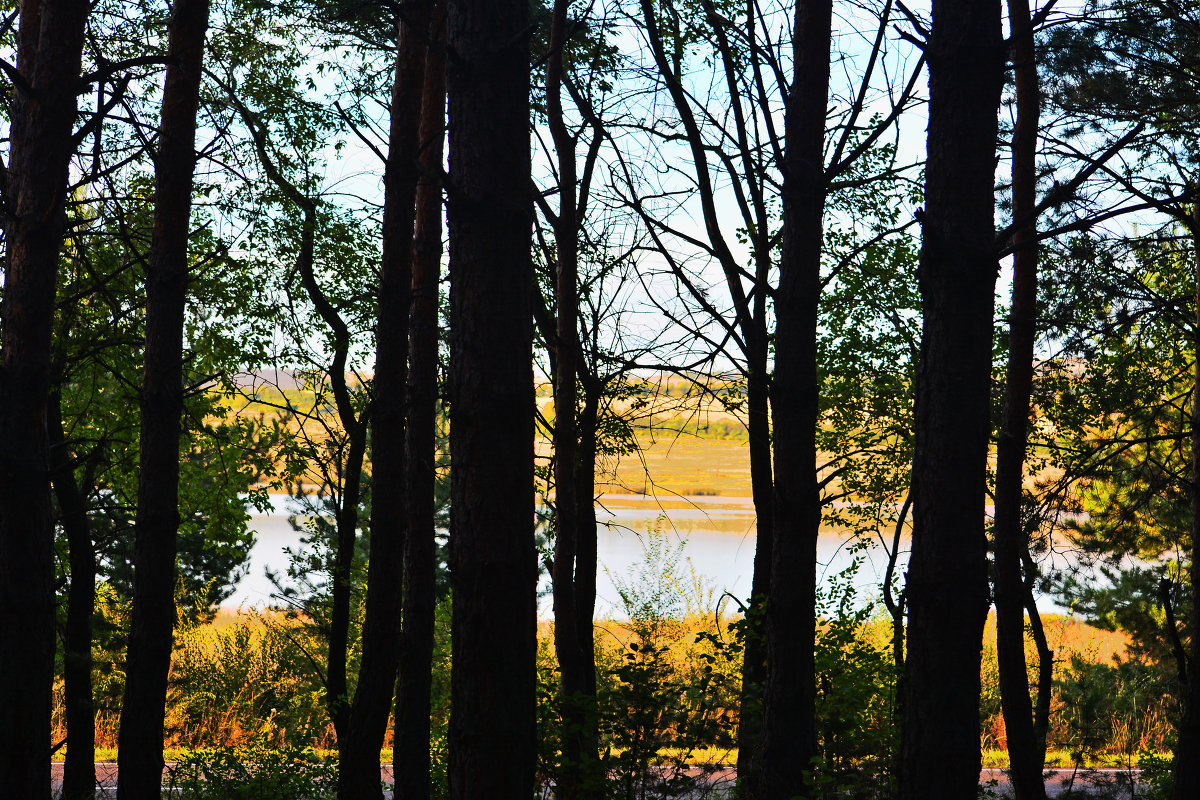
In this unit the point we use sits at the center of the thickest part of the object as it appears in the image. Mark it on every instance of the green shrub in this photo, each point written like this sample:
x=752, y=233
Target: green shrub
x=253, y=680
x=254, y=772
x=1155, y=778
x=857, y=730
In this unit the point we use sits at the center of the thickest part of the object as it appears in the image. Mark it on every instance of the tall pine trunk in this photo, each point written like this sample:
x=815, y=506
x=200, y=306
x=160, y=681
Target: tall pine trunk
x=49, y=55
x=140, y=742
x=947, y=587
x=358, y=771
x=411, y=759
x=493, y=566
x=789, y=732
x=1026, y=754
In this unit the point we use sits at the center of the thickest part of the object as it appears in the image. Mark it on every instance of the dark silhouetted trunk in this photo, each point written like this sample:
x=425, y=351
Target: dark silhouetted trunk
x=947, y=586
x=754, y=656
x=493, y=565
x=337, y=700
x=577, y=776
x=1026, y=757
x=140, y=753
x=896, y=608
x=79, y=766
x=585, y=558
x=358, y=768
x=411, y=759
x=1045, y=678
x=49, y=48
x=789, y=741
x=1185, y=767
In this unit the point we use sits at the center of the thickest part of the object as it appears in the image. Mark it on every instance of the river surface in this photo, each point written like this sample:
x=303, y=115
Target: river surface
x=714, y=538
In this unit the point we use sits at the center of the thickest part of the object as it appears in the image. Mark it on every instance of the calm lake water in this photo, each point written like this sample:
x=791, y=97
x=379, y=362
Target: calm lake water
x=715, y=537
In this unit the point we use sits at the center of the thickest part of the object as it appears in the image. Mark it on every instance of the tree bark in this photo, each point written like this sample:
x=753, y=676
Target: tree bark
x=140, y=742
x=411, y=740
x=789, y=742
x=49, y=55
x=947, y=586
x=79, y=766
x=1185, y=766
x=358, y=771
x=1026, y=758
x=492, y=559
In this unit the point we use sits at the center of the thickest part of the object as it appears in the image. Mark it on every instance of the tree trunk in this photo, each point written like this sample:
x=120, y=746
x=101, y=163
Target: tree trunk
x=1185, y=767
x=79, y=767
x=49, y=54
x=754, y=656
x=1045, y=679
x=1026, y=759
x=947, y=587
x=585, y=561
x=411, y=740
x=337, y=700
x=789, y=742
x=140, y=742
x=492, y=559
x=358, y=771
x=570, y=514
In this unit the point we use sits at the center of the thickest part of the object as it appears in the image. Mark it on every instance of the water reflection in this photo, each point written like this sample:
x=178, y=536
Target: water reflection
x=717, y=534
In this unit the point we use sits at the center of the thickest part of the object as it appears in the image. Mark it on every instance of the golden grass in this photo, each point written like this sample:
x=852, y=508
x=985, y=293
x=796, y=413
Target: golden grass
x=1059, y=758
x=1067, y=636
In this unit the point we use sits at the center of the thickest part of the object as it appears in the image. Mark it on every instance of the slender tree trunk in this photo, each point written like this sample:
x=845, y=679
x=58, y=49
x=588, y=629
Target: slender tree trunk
x=411, y=741
x=1185, y=768
x=1026, y=759
x=1045, y=679
x=358, y=771
x=49, y=54
x=789, y=733
x=337, y=699
x=354, y=424
x=493, y=565
x=140, y=754
x=569, y=641
x=754, y=656
x=79, y=767
x=896, y=608
x=947, y=587
x=585, y=568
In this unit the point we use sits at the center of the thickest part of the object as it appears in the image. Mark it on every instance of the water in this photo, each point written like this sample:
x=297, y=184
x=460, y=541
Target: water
x=717, y=536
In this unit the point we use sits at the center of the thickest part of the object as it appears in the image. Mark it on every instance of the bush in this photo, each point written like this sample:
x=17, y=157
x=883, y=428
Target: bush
x=252, y=680
x=857, y=728
x=254, y=772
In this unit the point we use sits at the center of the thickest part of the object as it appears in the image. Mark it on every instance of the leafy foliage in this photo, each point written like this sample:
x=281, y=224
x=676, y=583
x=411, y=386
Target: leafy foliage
x=254, y=772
